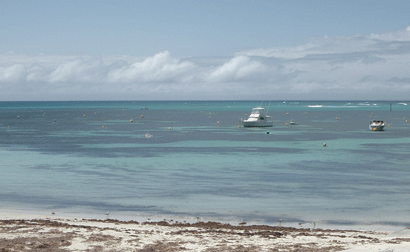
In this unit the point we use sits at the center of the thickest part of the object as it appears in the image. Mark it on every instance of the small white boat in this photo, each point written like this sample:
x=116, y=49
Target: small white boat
x=292, y=122
x=376, y=125
x=257, y=119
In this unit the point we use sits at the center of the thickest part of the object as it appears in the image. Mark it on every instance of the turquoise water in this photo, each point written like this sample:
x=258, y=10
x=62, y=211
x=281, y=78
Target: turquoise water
x=54, y=158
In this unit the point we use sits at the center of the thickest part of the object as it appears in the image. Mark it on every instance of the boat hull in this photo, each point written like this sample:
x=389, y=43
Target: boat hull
x=257, y=124
x=376, y=127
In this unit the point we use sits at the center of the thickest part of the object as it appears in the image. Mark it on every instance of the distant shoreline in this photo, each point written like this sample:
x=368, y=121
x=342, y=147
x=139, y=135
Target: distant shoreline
x=206, y=100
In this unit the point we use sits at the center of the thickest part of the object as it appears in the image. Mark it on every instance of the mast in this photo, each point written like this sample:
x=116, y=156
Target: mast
x=268, y=108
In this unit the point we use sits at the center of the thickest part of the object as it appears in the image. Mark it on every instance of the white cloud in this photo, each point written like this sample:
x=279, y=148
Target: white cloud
x=70, y=71
x=12, y=73
x=324, y=68
x=159, y=68
x=237, y=69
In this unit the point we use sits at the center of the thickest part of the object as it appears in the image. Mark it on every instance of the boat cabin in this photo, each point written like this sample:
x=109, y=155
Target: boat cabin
x=258, y=113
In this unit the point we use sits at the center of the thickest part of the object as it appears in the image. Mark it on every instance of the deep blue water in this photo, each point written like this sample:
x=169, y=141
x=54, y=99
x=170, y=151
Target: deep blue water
x=54, y=158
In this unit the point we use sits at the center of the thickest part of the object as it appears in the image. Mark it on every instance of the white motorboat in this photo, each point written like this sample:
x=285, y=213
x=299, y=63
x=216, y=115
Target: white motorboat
x=292, y=122
x=257, y=118
x=376, y=125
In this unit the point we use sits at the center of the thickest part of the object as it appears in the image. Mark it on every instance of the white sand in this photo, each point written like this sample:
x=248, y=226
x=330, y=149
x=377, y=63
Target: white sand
x=51, y=232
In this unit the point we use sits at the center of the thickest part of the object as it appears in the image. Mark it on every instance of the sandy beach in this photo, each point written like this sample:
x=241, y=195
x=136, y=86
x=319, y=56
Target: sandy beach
x=24, y=232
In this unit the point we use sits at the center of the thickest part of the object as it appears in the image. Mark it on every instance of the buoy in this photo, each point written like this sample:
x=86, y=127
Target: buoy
x=374, y=129
x=169, y=128
x=246, y=114
x=84, y=115
x=324, y=144
x=239, y=126
x=217, y=122
x=287, y=113
x=142, y=116
x=131, y=120
x=389, y=126
x=406, y=120
x=286, y=124
x=9, y=126
x=103, y=127
x=54, y=122
x=337, y=118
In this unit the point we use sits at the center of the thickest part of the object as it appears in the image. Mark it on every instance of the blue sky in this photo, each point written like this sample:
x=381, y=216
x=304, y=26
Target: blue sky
x=171, y=50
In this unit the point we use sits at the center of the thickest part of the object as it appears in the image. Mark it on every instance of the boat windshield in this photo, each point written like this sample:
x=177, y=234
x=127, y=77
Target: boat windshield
x=260, y=111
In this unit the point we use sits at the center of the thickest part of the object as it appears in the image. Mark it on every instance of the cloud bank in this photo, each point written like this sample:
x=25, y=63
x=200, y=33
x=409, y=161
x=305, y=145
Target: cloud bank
x=362, y=67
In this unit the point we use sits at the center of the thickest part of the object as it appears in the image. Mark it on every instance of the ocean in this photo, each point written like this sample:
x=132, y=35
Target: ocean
x=95, y=159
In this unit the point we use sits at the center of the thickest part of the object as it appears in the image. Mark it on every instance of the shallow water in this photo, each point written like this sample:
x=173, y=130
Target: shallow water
x=55, y=158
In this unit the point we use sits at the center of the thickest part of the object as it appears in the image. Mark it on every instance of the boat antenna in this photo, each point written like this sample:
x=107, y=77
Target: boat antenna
x=268, y=107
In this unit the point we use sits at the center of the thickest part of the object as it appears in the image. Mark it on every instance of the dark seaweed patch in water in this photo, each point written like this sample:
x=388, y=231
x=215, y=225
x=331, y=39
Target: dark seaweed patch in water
x=160, y=151
x=62, y=203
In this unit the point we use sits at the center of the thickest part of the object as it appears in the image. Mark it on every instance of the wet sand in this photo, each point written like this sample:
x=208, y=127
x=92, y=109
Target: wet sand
x=20, y=232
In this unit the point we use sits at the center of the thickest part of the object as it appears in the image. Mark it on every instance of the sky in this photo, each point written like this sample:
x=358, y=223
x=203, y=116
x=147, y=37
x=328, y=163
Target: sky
x=204, y=50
